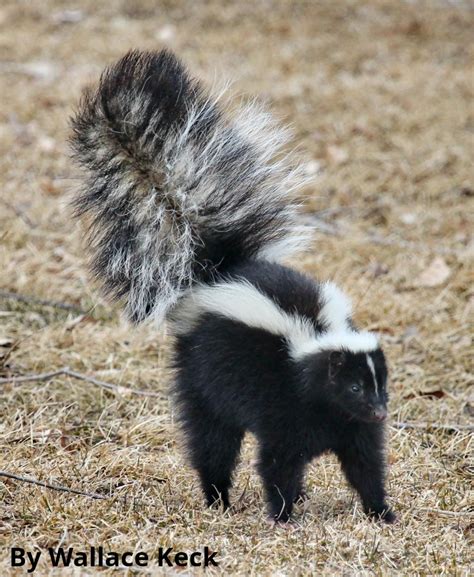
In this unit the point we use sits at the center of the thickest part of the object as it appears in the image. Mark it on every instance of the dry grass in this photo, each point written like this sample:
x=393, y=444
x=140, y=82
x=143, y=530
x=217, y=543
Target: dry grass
x=380, y=96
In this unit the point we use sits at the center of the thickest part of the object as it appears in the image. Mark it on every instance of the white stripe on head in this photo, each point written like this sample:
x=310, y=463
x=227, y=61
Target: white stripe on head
x=243, y=302
x=370, y=362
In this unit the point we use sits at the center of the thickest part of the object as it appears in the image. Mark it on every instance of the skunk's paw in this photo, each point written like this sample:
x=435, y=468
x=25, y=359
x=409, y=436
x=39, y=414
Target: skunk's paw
x=386, y=515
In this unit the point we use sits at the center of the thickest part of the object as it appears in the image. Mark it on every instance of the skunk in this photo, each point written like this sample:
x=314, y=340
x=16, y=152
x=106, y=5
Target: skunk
x=190, y=211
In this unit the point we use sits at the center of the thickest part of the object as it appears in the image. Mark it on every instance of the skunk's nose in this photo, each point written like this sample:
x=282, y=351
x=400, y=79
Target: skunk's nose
x=379, y=413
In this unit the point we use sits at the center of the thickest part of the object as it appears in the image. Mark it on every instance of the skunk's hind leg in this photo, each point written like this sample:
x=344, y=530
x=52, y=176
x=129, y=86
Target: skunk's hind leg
x=213, y=447
x=282, y=475
x=215, y=451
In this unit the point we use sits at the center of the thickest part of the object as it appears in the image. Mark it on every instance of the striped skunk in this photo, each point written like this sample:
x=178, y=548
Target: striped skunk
x=189, y=213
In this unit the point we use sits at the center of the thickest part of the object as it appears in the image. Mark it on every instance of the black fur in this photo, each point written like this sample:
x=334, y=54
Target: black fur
x=232, y=378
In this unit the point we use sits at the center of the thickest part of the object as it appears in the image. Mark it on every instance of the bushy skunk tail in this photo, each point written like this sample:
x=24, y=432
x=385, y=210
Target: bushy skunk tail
x=176, y=191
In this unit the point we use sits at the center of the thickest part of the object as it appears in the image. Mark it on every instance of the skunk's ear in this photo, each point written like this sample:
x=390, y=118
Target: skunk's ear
x=336, y=361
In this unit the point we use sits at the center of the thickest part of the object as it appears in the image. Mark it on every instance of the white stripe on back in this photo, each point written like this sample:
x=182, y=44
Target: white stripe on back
x=243, y=302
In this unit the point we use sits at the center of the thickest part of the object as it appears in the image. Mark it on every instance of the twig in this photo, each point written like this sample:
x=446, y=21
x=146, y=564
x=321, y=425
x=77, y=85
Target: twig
x=330, y=229
x=50, y=486
x=43, y=302
x=124, y=500
x=408, y=244
x=449, y=513
x=39, y=377
x=402, y=425
x=81, y=377
x=19, y=213
x=118, y=388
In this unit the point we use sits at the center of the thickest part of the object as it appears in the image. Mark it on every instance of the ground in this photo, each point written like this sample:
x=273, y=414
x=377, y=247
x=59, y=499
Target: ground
x=379, y=95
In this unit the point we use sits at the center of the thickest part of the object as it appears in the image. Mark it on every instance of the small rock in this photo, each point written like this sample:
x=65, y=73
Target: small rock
x=435, y=274
x=410, y=332
x=41, y=70
x=336, y=154
x=408, y=218
x=68, y=16
x=166, y=33
x=312, y=168
x=46, y=143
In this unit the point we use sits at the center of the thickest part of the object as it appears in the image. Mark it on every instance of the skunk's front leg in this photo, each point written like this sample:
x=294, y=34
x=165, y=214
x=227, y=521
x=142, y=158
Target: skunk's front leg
x=362, y=459
x=301, y=494
x=282, y=476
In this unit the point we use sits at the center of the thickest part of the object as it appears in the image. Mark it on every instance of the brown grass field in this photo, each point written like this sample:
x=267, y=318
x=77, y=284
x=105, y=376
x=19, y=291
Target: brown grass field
x=380, y=96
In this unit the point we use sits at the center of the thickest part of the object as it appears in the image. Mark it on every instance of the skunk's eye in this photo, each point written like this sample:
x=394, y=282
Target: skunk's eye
x=355, y=388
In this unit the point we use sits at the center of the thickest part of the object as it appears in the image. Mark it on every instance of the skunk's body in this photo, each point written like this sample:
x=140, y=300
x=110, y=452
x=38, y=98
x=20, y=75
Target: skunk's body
x=235, y=376
x=189, y=212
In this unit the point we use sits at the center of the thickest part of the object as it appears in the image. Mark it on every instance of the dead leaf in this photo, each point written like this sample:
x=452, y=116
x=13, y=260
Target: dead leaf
x=436, y=394
x=377, y=269
x=467, y=191
x=50, y=187
x=7, y=348
x=434, y=275
x=414, y=28
x=84, y=318
x=469, y=409
x=392, y=458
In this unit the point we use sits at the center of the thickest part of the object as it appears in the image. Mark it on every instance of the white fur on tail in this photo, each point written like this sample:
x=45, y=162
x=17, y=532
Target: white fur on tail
x=175, y=187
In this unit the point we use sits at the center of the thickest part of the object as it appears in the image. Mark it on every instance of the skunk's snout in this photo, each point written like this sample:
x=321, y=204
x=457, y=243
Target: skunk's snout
x=379, y=413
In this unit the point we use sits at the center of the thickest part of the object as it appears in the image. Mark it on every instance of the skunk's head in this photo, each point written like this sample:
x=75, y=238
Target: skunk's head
x=355, y=382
